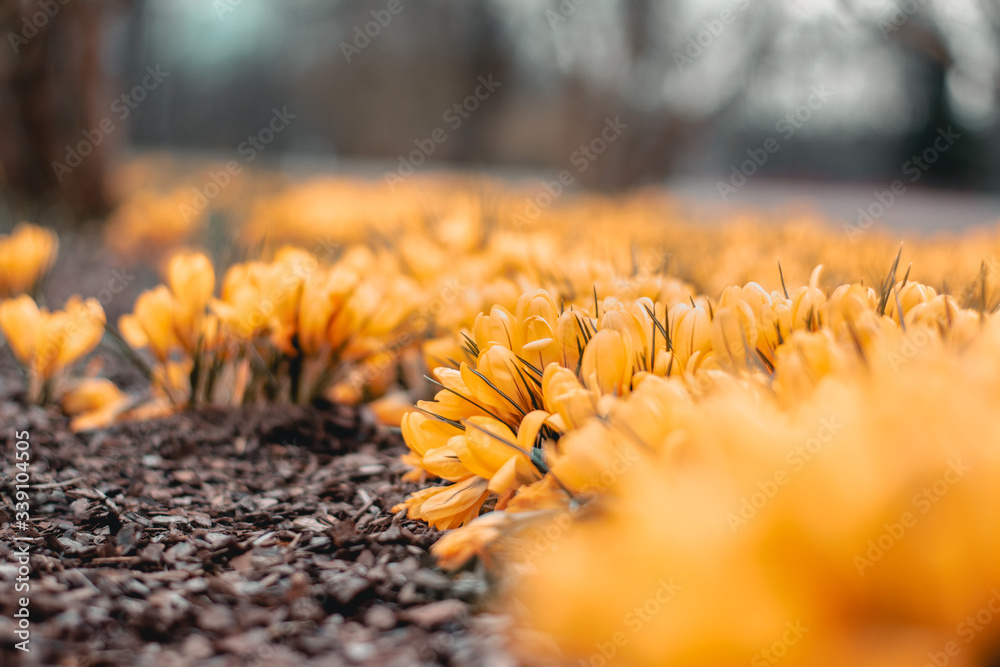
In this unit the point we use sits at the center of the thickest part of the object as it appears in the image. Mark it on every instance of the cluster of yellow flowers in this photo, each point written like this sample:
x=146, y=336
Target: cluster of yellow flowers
x=45, y=343
x=708, y=481
x=854, y=525
x=289, y=329
x=677, y=449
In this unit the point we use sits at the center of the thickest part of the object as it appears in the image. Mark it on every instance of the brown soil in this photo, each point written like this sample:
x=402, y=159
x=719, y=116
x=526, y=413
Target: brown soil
x=253, y=536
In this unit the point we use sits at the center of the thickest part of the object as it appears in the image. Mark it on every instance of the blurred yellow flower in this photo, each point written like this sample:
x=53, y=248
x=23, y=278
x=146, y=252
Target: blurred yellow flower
x=25, y=256
x=151, y=323
x=191, y=278
x=47, y=342
x=94, y=403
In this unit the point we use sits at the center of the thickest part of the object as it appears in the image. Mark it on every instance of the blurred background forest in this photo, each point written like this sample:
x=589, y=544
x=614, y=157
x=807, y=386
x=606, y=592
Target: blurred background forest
x=698, y=83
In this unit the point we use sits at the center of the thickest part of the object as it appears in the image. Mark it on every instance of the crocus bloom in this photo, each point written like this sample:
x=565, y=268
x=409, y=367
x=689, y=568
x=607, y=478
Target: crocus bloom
x=25, y=256
x=48, y=342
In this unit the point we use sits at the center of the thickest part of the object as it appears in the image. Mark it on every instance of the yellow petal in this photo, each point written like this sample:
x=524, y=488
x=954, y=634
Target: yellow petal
x=422, y=433
x=691, y=329
x=569, y=336
x=458, y=546
x=85, y=328
x=606, y=366
x=505, y=477
x=486, y=446
x=444, y=462
x=90, y=394
x=25, y=256
x=132, y=331
x=527, y=431
x=153, y=312
x=192, y=280
x=496, y=382
x=21, y=323
x=498, y=327
x=449, y=506
x=537, y=303
x=734, y=332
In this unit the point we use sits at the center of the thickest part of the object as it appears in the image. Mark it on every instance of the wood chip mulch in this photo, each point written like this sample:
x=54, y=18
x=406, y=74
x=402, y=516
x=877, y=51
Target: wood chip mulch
x=255, y=536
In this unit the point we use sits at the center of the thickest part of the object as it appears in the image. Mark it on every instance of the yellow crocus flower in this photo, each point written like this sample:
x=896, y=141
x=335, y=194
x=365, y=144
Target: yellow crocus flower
x=45, y=342
x=25, y=256
x=191, y=278
x=151, y=323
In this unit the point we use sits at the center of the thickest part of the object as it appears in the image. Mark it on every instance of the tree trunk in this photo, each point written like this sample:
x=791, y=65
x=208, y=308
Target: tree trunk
x=51, y=108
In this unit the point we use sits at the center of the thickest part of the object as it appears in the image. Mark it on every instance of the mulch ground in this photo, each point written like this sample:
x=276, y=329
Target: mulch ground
x=253, y=536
